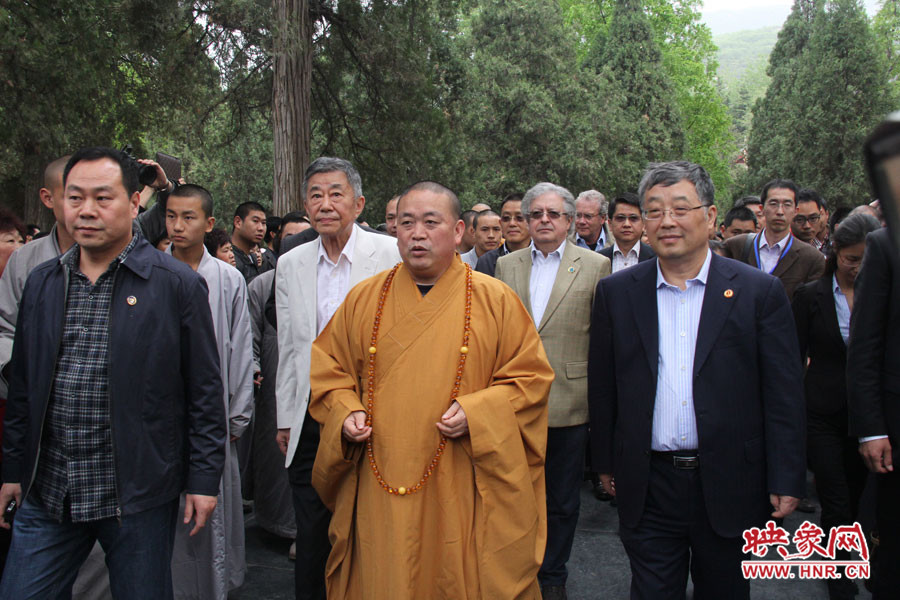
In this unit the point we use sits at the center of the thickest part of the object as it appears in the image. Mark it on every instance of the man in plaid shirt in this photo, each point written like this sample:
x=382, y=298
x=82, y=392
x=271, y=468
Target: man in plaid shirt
x=114, y=403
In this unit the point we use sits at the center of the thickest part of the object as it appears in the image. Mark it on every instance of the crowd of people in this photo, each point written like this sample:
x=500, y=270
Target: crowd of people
x=418, y=404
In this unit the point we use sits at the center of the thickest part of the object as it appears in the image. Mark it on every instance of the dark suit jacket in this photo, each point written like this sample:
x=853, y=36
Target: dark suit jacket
x=820, y=339
x=873, y=359
x=802, y=264
x=748, y=398
x=487, y=262
x=646, y=252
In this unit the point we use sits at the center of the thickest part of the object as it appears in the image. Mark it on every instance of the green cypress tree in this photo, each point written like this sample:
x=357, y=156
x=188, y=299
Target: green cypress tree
x=528, y=113
x=842, y=93
x=632, y=61
x=829, y=89
x=771, y=151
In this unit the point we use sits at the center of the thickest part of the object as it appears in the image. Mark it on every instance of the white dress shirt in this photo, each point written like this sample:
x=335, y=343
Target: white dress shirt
x=622, y=261
x=543, y=274
x=678, y=313
x=332, y=281
x=769, y=255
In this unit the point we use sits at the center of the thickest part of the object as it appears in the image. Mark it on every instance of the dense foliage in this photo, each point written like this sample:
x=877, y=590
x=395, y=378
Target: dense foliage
x=488, y=96
x=828, y=90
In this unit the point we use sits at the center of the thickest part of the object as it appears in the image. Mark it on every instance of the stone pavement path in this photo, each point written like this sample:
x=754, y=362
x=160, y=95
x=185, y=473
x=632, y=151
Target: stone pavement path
x=598, y=568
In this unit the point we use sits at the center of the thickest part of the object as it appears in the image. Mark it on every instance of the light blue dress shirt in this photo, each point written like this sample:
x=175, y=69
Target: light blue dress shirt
x=678, y=313
x=543, y=275
x=842, y=308
x=769, y=255
x=601, y=241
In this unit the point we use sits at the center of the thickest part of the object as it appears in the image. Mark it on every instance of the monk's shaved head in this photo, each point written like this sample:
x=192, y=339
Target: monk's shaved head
x=53, y=173
x=436, y=188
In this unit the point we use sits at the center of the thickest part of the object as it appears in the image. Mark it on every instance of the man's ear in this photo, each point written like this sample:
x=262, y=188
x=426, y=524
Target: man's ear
x=210, y=223
x=135, y=201
x=458, y=230
x=46, y=198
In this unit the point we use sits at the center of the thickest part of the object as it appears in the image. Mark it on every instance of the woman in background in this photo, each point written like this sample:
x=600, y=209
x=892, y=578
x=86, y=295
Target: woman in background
x=822, y=311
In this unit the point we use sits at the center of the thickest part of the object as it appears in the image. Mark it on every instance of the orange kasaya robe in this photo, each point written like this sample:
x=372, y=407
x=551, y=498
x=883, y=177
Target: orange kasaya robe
x=477, y=529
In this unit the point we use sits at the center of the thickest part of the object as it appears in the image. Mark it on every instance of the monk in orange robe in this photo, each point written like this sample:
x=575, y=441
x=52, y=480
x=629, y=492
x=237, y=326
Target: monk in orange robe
x=437, y=493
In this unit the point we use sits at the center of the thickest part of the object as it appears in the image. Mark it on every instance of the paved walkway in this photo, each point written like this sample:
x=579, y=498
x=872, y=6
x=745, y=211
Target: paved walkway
x=598, y=568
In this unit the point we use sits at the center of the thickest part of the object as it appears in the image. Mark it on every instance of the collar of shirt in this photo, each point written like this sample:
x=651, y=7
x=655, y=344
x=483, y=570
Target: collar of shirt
x=636, y=249
x=601, y=241
x=779, y=245
x=699, y=279
x=537, y=255
x=346, y=251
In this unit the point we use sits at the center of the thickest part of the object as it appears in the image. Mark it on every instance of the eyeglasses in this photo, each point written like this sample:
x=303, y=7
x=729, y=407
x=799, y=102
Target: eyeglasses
x=629, y=218
x=784, y=204
x=536, y=215
x=802, y=219
x=520, y=218
x=678, y=213
x=587, y=216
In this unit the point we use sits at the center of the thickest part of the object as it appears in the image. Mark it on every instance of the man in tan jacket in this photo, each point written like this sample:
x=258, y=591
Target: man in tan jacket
x=555, y=279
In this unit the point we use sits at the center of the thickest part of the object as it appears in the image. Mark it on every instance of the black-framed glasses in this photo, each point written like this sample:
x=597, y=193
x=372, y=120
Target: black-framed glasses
x=678, y=213
x=630, y=218
x=536, y=215
x=802, y=219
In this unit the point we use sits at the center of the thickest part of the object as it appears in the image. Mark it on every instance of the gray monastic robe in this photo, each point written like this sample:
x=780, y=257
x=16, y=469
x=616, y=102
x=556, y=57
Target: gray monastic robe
x=212, y=562
x=272, y=500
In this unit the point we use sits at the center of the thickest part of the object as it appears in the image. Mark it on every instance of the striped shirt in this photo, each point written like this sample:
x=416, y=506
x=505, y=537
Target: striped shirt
x=76, y=474
x=678, y=313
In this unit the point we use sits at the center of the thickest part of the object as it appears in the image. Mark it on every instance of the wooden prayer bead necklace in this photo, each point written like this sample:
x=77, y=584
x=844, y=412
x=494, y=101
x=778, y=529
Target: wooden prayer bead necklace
x=370, y=405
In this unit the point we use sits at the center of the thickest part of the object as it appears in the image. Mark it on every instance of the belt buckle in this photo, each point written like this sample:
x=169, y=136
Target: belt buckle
x=685, y=462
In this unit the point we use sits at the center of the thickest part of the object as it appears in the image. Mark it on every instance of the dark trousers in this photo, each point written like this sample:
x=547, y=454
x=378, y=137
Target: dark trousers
x=674, y=536
x=563, y=471
x=46, y=554
x=840, y=476
x=313, y=518
x=887, y=514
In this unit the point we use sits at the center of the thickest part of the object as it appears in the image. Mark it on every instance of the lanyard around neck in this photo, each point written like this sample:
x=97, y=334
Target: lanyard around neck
x=780, y=256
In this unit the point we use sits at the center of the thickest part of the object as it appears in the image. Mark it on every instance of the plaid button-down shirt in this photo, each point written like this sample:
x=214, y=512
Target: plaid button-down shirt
x=76, y=473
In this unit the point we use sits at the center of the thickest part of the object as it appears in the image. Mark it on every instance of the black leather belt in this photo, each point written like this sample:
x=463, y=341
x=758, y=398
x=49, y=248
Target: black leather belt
x=680, y=459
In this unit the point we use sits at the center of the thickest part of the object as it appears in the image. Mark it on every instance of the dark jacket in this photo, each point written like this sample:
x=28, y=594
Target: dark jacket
x=820, y=339
x=487, y=262
x=248, y=267
x=748, y=398
x=167, y=414
x=873, y=359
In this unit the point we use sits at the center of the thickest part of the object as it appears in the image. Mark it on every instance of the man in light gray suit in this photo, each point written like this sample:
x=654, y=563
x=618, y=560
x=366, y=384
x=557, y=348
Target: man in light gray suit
x=555, y=279
x=311, y=281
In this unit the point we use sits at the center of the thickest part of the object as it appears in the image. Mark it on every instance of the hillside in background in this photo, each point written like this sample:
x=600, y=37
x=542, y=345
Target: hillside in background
x=743, y=57
x=741, y=51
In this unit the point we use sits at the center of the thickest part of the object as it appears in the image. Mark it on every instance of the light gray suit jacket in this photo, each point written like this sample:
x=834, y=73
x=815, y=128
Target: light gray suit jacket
x=566, y=325
x=295, y=307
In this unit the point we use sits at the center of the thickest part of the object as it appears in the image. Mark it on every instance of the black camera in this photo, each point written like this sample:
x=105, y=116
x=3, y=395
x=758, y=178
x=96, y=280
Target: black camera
x=147, y=173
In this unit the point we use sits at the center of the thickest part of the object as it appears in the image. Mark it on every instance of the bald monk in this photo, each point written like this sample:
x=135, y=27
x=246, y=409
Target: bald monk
x=456, y=508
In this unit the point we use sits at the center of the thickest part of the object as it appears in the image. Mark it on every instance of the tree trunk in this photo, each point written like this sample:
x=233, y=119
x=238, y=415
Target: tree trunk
x=291, y=93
